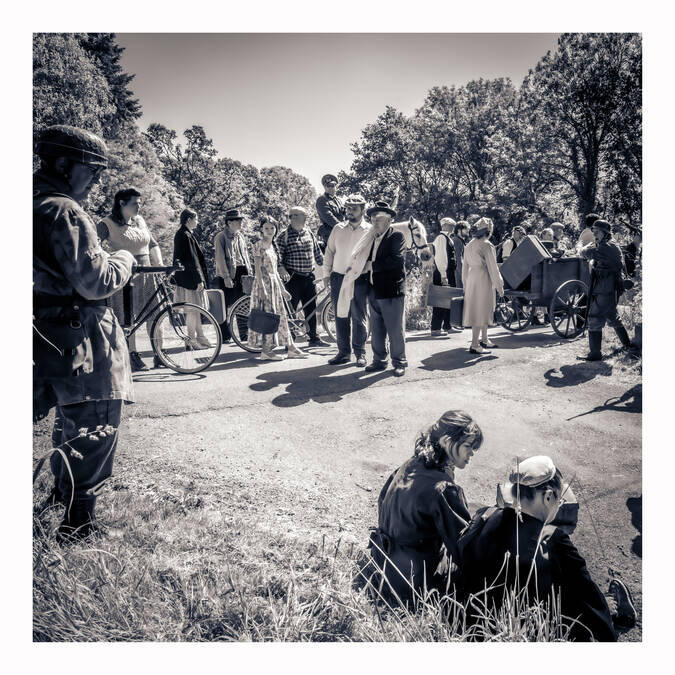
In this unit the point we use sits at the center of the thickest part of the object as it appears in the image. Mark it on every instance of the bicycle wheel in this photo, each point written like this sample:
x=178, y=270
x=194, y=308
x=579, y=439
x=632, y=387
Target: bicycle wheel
x=237, y=322
x=328, y=320
x=175, y=348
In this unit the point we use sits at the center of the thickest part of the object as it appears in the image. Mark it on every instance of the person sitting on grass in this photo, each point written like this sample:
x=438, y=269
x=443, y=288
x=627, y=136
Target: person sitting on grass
x=421, y=512
x=516, y=548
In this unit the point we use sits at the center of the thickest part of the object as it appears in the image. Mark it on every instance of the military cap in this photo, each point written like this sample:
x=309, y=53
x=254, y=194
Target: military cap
x=61, y=140
x=381, y=207
x=329, y=177
x=603, y=225
x=233, y=214
x=557, y=226
x=297, y=210
x=448, y=222
x=355, y=200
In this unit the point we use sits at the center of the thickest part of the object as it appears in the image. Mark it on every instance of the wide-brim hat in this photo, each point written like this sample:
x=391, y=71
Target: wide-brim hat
x=380, y=206
x=233, y=214
x=531, y=472
x=328, y=177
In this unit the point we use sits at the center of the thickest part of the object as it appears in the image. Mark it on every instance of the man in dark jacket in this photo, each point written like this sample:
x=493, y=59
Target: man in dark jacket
x=459, y=239
x=386, y=294
x=81, y=359
x=330, y=208
x=515, y=548
x=606, y=286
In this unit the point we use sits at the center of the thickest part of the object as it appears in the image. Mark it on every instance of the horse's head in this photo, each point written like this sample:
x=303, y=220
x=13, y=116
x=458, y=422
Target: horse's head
x=418, y=235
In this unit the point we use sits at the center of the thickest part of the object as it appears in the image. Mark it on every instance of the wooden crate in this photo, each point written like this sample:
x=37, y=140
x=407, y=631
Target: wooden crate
x=521, y=263
x=441, y=296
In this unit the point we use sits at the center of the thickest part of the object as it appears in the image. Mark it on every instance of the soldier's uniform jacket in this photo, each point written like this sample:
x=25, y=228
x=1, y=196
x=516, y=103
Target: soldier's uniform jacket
x=607, y=266
x=331, y=212
x=72, y=275
x=559, y=568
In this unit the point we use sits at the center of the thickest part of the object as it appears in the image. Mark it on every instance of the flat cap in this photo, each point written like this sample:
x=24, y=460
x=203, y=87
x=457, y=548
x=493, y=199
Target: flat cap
x=532, y=472
x=297, y=210
x=448, y=222
x=355, y=200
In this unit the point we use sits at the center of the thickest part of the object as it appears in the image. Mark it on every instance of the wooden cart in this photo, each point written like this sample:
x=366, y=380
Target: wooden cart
x=558, y=284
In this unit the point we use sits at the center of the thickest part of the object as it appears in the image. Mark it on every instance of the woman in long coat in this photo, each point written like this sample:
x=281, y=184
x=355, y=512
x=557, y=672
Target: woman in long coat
x=421, y=511
x=480, y=278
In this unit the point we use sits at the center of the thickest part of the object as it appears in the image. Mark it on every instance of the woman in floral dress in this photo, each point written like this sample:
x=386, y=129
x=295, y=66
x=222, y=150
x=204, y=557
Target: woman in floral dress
x=268, y=294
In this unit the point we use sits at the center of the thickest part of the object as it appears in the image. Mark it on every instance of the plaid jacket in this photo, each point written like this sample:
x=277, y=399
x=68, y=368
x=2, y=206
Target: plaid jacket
x=298, y=250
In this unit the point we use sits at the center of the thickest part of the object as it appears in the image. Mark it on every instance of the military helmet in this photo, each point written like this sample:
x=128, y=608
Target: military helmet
x=61, y=140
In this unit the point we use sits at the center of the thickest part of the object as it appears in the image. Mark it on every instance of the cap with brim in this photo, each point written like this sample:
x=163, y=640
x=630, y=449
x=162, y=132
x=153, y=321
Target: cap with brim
x=355, y=200
x=447, y=222
x=531, y=472
x=233, y=214
x=380, y=207
x=80, y=145
x=329, y=177
x=297, y=210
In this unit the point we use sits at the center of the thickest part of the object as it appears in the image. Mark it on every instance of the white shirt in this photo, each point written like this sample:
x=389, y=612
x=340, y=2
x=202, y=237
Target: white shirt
x=341, y=242
x=508, y=248
x=441, y=255
x=376, y=245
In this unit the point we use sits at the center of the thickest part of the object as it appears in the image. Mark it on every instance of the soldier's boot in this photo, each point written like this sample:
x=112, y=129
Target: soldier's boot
x=622, y=334
x=79, y=521
x=594, y=347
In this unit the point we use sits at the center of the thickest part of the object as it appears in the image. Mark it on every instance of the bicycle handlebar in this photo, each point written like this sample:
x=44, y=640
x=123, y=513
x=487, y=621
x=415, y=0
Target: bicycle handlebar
x=148, y=269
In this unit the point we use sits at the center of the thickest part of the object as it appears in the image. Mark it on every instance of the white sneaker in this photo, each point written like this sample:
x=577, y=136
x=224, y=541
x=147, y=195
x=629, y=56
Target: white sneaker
x=270, y=357
x=296, y=354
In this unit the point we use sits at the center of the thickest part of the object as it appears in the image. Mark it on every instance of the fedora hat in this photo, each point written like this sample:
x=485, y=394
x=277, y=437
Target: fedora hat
x=381, y=206
x=233, y=214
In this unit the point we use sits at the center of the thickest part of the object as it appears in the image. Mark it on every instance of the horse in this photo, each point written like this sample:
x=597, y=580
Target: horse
x=415, y=235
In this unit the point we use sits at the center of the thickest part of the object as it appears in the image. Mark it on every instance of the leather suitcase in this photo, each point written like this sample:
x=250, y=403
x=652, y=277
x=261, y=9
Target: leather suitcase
x=441, y=296
x=518, y=266
x=456, y=312
x=216, y=299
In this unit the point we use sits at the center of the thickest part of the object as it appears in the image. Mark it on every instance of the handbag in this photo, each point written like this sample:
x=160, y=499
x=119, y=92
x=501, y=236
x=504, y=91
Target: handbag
x=265, y=323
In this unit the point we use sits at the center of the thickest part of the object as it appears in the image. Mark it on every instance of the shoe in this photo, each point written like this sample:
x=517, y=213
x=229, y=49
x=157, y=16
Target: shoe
x=437, y=333
x=361, y=361
x=157, y=362
x=137, y=362
x=626, y=616
x=375, y=366
x=399, y=371
x=203, y=342
x=317, y=342
x=339, y=359
x=270, y=357
x=296, y=354
x=473, y=350
x=489, y=345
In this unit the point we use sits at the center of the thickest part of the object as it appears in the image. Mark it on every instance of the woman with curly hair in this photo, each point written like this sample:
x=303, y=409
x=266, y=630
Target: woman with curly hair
x=421, y=510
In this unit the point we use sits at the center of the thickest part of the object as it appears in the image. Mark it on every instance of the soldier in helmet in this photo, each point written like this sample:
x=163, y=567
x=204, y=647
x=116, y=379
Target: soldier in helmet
x=81, y=359
x=607, y=266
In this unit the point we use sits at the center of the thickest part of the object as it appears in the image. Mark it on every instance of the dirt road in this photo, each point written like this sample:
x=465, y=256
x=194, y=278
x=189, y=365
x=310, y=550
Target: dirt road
x=308, y=446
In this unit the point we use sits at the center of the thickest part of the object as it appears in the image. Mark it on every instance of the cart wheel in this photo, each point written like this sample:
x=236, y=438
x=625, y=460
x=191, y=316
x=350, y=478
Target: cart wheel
x=514, y=314
x=568, y=309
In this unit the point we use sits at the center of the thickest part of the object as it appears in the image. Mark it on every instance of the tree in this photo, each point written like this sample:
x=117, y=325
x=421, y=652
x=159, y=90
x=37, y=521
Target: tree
x=67, y=86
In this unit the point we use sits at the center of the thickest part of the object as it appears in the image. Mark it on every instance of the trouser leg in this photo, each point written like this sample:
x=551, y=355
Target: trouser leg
x=438, y=317
x=358, y=316
x=293, y=286
x=393, y=315
x=307, y=296
x=378, y=329
x=97, y=451
x=342, y=327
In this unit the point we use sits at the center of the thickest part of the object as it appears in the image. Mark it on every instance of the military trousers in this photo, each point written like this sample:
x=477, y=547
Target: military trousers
x=90, y=455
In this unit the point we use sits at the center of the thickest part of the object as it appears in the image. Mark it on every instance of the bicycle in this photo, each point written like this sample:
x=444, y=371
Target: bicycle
x=237, y=318
x=169, y=337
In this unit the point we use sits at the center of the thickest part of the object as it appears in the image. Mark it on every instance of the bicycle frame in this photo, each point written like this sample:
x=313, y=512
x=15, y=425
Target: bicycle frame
x=146, y=313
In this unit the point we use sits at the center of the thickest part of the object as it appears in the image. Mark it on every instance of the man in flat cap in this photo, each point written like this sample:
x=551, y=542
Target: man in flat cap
x=445, y=267
x=515, y=546
x=607, y=267
x=352, y=331
x=299, y=256
x=80, y=354
x=232, y=263
x=330, y=208
x=386, y=294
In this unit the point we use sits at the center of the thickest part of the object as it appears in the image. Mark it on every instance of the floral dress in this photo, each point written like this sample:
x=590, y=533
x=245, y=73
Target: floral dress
x=266, y=294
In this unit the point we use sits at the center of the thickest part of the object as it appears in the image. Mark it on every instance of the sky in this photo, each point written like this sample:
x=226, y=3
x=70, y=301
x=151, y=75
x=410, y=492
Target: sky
x=300, y=100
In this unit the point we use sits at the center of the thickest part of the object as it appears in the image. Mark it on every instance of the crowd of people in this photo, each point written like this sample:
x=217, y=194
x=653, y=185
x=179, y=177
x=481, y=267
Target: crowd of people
x=82, y=365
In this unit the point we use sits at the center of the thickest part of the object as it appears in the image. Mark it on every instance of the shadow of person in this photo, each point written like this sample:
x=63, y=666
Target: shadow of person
x=577, y=373
x=323, y=384
x=630, y=401
x=634, y=505
x=528, y=338
x=453, y=359
x=233, y=360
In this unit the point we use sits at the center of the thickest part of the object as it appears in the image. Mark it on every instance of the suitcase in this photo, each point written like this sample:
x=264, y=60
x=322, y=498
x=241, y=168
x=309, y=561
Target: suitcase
x=216, y=299
x=518, y=266
x=441, y=296
x=456, y=312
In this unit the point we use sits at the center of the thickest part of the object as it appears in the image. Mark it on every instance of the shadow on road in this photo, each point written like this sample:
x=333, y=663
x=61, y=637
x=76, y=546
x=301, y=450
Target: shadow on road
x=164, y=376
x=634, y=505
x=453, y=359
x=528, y=338
x=317, y=383
x=630, y=401
x=577, y=373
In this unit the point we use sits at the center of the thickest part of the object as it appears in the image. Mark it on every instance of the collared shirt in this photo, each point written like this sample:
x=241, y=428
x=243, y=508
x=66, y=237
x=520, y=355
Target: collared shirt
x=373, y=253
x=341, y=243
x=230, y=253
x=298, y=250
